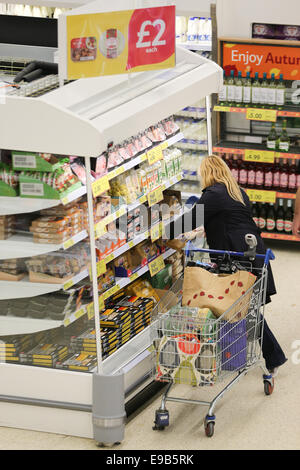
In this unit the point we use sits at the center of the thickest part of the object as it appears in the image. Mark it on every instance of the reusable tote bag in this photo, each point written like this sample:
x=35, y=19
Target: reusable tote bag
x=218, y=292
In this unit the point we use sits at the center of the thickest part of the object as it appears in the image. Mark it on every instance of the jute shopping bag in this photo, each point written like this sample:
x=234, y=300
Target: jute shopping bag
x=220, y=293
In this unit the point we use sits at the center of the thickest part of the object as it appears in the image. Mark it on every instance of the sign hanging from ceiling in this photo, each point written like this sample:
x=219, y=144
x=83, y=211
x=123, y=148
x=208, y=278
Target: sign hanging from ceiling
x=253, y=57
x=120, y=42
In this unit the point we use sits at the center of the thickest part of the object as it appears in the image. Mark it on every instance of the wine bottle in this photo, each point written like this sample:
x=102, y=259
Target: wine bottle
x=271, y=218
x=272, y=138
x=271, y=101
x=231, y=88
x=284, y=140
x=235, y=168
x=264, y=90
x=255, y=213
x=243, y=174
x=288, y=218
x=223, y=92
x=269, y=176
x=292, y=177
x=276, y=174
x=280, y=93
x=280, y=216
x=238, y=92
x=256, y=89
x=284, y=176
x=262, y=220
x=247, y=90
x=251, y=176
x=259, y=176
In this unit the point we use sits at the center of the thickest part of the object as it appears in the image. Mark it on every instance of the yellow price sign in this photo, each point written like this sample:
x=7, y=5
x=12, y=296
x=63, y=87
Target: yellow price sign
x=155, y=196
x=134, y=277
x=79, y=313
x=257, y=195
x=225, y=109
x=90, y=310
x=155, y=232
x=100, y=186
x=101, y=302
x=155, y=154
x=100, y=230
x=68, y=284
x=156, y=265
x=254, y=114
x=259, y=156
x=69, y=243
x=101, y=268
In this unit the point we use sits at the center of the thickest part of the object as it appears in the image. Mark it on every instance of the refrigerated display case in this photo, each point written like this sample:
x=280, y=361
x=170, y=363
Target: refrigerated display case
x=84, y=118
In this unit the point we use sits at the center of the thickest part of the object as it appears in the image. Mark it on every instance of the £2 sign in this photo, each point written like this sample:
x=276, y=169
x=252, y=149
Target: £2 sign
x=151, y=38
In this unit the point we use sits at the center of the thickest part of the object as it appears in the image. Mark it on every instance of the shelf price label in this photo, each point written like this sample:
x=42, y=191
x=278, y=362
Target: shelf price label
x=156, y=265
x=155, y=196
x=155, y=154
x=100, y=186
x=155, y=232
x=254, y=114
x=257, y=195
x=69, y=243
x=68, y=284
x=100, y=230
x=101, y=268
x=225, y=109
x=263, y=156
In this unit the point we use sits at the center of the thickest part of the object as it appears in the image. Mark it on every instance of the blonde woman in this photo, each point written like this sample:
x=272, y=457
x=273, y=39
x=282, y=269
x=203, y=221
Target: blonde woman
x=227, y=219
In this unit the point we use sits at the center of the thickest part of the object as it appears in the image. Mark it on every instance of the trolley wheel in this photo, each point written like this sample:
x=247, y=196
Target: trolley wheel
x=161, y=420
x=268, y=386
x=209, y=428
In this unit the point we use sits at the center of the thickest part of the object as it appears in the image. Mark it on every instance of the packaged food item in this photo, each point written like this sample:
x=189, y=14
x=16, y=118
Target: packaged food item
x=101, y=165
x=12, y=269
x=83, y=49
x=83, y=361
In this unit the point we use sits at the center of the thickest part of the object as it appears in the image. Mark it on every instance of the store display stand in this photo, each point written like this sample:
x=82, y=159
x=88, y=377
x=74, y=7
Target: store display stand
x=68, y=402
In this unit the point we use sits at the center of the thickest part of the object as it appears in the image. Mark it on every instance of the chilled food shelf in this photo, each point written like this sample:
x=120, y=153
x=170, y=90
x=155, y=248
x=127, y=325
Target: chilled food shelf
x=23, y=246
x=25, y=288
x=240, y=148
x=22, y=205
x=279, y=236
x=100, y=226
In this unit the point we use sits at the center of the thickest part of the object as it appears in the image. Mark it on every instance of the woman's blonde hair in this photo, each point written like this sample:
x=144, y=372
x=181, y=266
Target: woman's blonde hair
x=214, y=170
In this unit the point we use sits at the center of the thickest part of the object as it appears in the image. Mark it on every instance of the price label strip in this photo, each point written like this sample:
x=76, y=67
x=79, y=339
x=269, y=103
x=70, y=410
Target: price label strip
x=256, y=195
x=90, y=307
x=225, y=109
x=69, y=243
x=101, y=268
x=156, y=265
x=100, y=230
x=155, y=232
x=254, y=114
x=100, y=186
x=155, y=196
x=263, y=156
x=155, y=154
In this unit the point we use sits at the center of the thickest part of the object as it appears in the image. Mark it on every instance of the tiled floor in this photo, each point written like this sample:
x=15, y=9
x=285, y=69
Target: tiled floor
x=245, y=418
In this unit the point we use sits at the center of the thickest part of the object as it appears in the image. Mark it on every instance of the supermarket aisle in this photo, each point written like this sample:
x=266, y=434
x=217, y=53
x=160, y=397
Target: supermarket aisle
x=245, y=418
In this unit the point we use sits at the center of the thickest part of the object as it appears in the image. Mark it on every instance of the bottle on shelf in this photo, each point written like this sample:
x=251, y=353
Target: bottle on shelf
x=238, y=92
x=269, y=176
x=247, y=90
x=280, y=93
x=256, y=89
x=235, y=168
x=231, y=88
x=271, y=95
x=284, y=170
x=262, y=220
x=264, y=90
x=223, y=93
x=271, y=218
x=288, y=218
x=284, y=140
x=255, y=213
x=276, y=174
x=272, y=138
x=280, y=216
x=292, y=177
x=298, y=175
x=243, y=174
x=259, y=175
x=251, y=175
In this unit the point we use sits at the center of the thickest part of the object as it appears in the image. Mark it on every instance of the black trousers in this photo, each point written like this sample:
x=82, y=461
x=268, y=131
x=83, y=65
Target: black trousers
x=271, y=350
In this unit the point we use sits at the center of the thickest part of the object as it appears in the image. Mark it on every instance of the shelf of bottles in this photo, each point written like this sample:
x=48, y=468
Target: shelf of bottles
x=264, y=182
x=194, y=33
x=275, y=219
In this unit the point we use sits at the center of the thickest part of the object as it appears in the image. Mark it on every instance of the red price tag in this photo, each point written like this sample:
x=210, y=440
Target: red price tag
x=151, y=38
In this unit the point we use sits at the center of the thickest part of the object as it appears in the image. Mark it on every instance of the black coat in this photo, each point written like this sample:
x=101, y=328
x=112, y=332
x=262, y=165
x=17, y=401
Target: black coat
x=226, y=223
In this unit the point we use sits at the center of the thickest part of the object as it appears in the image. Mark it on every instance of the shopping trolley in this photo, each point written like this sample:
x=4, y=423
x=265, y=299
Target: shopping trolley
x=202, y=350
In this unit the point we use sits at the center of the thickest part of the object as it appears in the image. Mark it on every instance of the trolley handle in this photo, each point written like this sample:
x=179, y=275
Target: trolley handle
x=267, y=257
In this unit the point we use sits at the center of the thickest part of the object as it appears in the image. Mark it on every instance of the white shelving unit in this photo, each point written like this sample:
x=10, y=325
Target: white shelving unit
x=86, y=116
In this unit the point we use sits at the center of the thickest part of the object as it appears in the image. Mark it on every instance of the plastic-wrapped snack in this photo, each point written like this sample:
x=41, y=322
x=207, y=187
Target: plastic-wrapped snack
x=124, y=152
x=139, y=145
x=131, y=149
x=170, y=126
x=114, y=158
x=101, y=165
x=79, y=171
x=146, y=140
